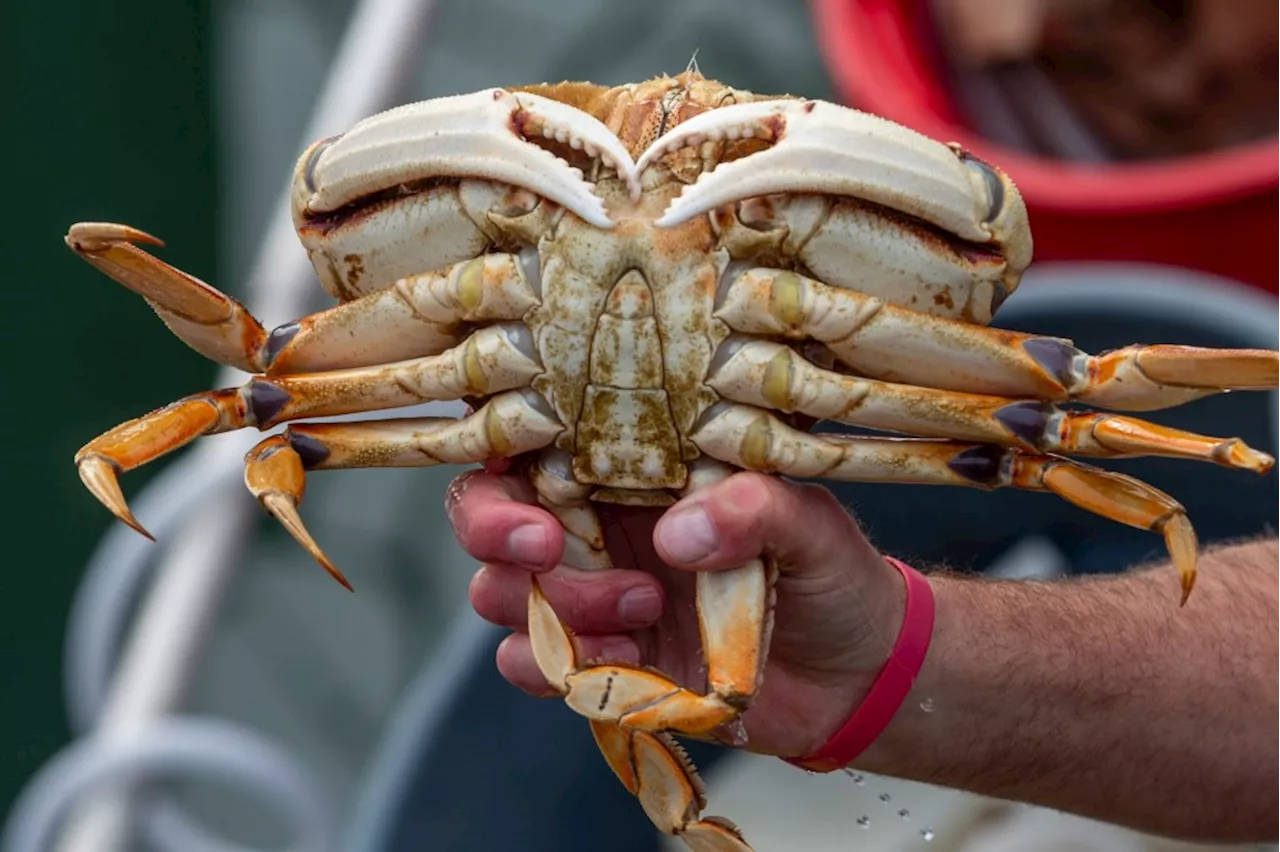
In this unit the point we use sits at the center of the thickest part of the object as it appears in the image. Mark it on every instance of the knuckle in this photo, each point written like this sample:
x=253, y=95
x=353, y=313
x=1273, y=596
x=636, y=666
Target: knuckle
x=753, y=500
x=570, y=601
x=498, y=598
x=473, y=541
x=578, y=611
x=819, y=498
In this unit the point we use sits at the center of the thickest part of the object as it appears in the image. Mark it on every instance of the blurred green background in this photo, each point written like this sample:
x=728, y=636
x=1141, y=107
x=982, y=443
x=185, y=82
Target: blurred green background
x=110, y=118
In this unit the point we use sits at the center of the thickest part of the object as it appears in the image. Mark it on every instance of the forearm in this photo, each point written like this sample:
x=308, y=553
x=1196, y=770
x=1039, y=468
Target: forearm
x=1103, y=697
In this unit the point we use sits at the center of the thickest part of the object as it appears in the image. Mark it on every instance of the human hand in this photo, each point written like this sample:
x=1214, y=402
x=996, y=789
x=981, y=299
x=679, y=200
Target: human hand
x=839, y=604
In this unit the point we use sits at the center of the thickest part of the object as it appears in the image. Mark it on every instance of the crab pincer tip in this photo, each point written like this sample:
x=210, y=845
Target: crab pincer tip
x=1180, y=539
x=96, y=236
x=339, y=576
x=99, y=476
x=285, y=510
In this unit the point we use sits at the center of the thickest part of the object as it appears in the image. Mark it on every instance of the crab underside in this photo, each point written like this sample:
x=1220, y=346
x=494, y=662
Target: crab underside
x=641, y=290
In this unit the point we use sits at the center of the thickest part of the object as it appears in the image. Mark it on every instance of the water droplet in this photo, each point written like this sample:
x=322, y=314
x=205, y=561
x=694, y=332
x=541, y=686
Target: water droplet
x=864, y=822
x=856, y=776
x=905, y=814
x=927, y=705
x=884, y=797
x=927, y=834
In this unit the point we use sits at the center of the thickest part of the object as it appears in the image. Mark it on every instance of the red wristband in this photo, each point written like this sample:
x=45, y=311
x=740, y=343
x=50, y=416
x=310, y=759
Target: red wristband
x=872, y=716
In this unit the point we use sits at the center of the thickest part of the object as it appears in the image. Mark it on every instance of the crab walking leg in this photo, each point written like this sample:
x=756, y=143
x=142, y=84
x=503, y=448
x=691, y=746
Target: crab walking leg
x=652, y=766
x=734, y=617
x=647, y=761
x=892, y=343
x=621, y=693
x=774, y=376
x=569, y=501
x=658, y=772
x=509, y=424
x=757, y=440
x=417, y=315
x=492, y=359
x=735, y=610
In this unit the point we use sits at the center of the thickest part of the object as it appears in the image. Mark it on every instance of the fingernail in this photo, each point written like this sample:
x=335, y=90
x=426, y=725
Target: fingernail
x=687, y=535
x=640, y=606
x=528, y=545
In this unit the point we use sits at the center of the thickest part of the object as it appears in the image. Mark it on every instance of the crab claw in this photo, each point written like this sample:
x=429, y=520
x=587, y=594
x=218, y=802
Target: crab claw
x=834, y=150
x=490, y=134
x=274, y=473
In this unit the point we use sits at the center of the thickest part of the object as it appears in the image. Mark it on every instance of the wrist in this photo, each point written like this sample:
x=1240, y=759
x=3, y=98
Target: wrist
x=873, y=706
x=952, y=689
x=830, y=685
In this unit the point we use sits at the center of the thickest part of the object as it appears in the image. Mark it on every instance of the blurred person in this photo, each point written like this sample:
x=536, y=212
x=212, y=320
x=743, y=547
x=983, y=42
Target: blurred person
x=1096, y=696
x=1151, y=78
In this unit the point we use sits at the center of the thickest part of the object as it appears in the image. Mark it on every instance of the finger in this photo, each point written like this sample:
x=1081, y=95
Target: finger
x=516, y=663
x=495, y=520
x=750, y=514
x=589, y=602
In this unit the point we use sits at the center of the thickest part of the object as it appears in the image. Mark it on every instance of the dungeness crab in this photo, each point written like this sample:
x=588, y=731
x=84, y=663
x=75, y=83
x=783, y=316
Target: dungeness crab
x=640, y=290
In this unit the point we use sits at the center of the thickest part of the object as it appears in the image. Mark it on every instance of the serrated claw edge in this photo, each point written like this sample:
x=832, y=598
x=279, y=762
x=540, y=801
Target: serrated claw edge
x=481, y=135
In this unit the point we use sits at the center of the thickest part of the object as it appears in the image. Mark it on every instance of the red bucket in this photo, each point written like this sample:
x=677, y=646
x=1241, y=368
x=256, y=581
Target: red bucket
x=1214, y=212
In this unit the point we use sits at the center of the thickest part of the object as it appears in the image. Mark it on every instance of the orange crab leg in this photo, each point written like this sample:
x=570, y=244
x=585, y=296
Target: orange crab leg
x=509, y=424
x=569, y=500
x=649, y=763
x=1110, y=379
x=211, y=323
x=275, y=474
x=735, y=618
x=757, y=440
x=630, y=707
x=416, y=316
x=146, y=438
x=493, y=359
x=888, y=342
x=735, y=610
x=656, y=770
x=772, y=375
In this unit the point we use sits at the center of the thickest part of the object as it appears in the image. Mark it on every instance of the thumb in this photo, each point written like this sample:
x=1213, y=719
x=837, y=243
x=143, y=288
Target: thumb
x=801, y=526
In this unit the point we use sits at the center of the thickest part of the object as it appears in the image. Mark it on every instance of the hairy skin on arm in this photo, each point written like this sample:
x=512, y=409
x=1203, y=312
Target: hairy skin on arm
x=1097, y=696
x=1100, y=696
